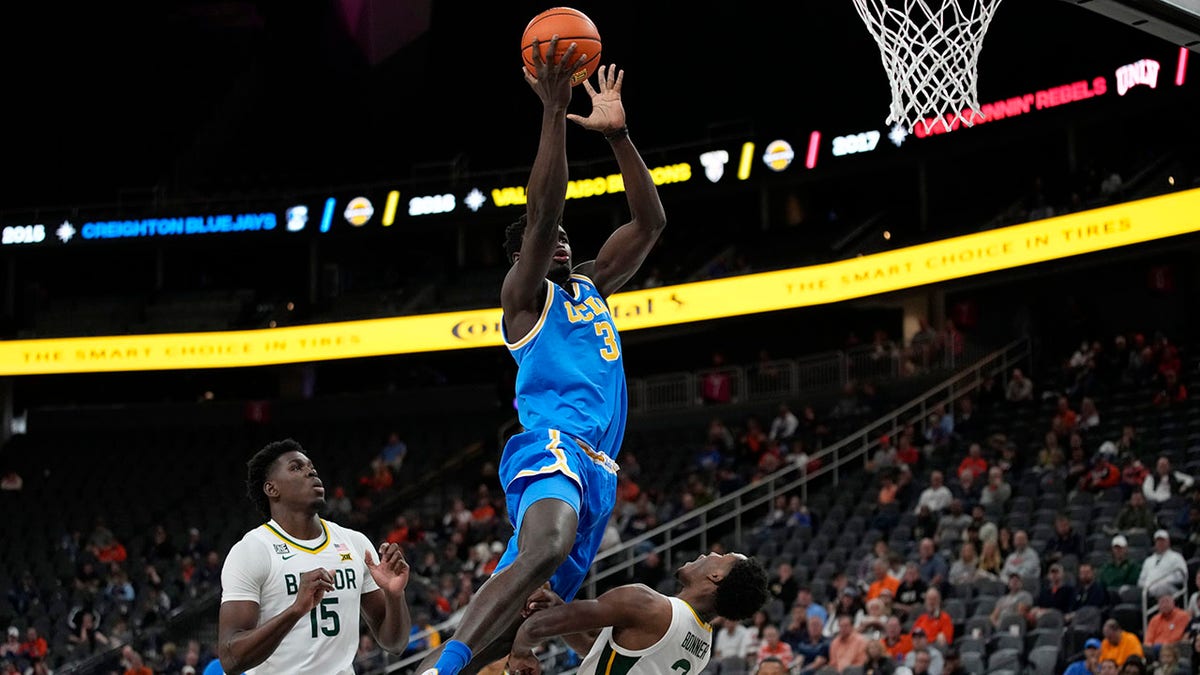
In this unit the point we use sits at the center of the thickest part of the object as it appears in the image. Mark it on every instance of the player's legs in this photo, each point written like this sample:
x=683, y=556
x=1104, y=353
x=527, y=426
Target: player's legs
x=545, y=536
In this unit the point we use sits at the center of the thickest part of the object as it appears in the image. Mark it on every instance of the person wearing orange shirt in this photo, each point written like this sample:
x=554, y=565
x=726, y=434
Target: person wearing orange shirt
x=937, y=624
x=1166, y=627
x=974, y=461
x=895, y=641
x=849, y=648
x=1119, y=644
x=882, y=581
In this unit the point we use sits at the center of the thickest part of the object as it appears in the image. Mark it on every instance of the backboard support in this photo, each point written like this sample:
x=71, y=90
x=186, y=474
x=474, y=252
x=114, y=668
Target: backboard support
x=1175, y=21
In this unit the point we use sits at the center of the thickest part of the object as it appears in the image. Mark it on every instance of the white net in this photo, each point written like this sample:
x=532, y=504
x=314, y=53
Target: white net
x=930, y=50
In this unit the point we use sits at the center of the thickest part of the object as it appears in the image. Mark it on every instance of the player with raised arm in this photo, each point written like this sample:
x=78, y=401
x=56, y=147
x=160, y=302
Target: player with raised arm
x=293, y=588
x=559, y=474
x=635, y=630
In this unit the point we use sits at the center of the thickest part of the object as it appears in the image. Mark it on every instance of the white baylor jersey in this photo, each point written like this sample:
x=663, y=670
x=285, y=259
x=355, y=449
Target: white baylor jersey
x=683, y=650
x=265, y=567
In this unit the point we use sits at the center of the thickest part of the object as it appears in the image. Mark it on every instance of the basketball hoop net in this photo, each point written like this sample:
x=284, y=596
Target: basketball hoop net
x=930, y=50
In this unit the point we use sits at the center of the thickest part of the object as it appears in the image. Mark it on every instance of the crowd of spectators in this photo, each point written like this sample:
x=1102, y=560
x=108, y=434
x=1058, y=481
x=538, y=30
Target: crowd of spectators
x=1022, y=571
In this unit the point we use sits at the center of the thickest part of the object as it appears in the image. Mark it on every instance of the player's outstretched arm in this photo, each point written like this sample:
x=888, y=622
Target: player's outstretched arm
x=547, y=188
x=627, y=247
x=243, y=645
x=386, y=610
x=625, y=607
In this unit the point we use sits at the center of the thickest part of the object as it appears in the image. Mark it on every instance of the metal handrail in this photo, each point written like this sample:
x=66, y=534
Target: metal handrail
x=832, y=459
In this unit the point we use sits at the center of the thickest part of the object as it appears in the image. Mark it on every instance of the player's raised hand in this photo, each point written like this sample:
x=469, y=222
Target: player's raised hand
x=608, y=113
x=523, y=664
x=391, y=573
x=552, y=80
x=542, y=598
x=314, y=584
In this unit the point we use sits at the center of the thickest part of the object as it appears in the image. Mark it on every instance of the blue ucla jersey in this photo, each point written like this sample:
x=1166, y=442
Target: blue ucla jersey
x=570, y=375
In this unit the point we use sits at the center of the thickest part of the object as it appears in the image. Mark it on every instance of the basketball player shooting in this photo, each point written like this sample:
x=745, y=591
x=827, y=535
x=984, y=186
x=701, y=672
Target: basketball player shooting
x=560, y=473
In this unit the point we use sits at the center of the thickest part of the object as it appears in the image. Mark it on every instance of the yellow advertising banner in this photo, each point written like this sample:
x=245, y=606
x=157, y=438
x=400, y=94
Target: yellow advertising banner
x=1005, y=248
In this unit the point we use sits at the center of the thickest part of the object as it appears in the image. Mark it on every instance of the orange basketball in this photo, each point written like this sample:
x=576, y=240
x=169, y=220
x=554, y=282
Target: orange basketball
x=570, y=25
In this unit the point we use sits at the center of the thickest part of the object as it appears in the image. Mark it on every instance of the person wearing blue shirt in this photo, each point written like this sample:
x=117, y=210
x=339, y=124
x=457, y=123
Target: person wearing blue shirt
x=1090, y=663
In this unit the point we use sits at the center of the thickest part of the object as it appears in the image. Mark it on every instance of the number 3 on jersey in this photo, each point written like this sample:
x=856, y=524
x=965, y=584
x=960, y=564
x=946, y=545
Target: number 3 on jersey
x=335, y=624
x=610, y=351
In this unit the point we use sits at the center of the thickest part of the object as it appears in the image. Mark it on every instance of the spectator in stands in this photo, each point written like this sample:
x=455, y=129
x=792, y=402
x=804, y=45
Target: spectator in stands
x=813, y=647
x=1167, y=626
x=784, y=426
x=965, y=569
x=11, y=481
x=1090, y=663
x=974, y=460
x=878, y=661
x=935, y=621
x=1172, y=391
x=1089, y=416
x=996, y=492
x=717, y=385
x=953, y=523
x=1135, y=665
x=924, y=657
x=1120, y=571
x=1020, y=388
x=871, y=622
x=881, y=580
x=134, y=665
x=849, y=603
x=895, y=642
x=937, y=496
x=849, y=647
x=195, y=547
x=1134, y=516
x=1023, y=560
x=1102, y=475
x=907, y=451
x=1133, y=474
x=1164, y=570
x=1109, y=667
x=804, y=600
x=1129, y=441
x=34, y=647
x=1064, y=418
x=732, y=640
x=1089, y=592
x=773, y=647
x=1064, y=542
x=86, y=638
x=797, y=627
x=991, y=563
x=1055, y=594
x=1119, y=644
x=967, y=489
x=931, y=564
x=770, y=666
x=758, y=624
x=1165, y=483
x=1016, y=601
x=380, y=477
x=10, y=650
x=393, y=452
x=1168, y=662
x=884, y=457
x=784, y=586
x=910, y=592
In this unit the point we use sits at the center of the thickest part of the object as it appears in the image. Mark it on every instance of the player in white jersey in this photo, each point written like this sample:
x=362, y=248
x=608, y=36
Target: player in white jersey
x=635, y=630
x=293, y=588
